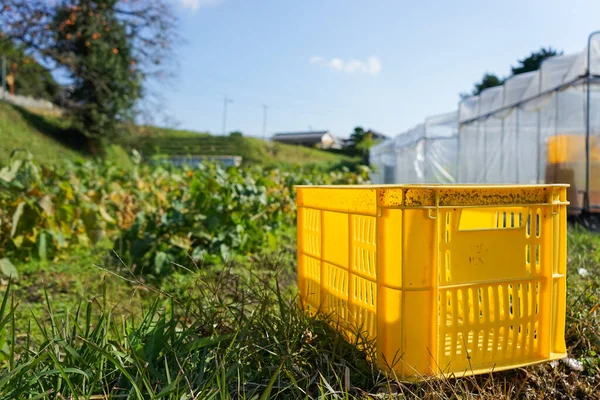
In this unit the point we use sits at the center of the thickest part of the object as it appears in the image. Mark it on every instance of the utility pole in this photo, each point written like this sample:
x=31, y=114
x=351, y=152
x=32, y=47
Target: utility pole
x=227, y=100
x=265, y=107
x=3, y=76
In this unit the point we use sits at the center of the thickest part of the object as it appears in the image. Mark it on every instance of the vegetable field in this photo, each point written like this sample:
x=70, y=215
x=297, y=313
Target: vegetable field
x=152, y=216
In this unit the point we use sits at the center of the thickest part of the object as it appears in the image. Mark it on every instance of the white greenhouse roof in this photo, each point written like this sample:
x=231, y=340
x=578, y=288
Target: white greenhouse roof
x=554, y=73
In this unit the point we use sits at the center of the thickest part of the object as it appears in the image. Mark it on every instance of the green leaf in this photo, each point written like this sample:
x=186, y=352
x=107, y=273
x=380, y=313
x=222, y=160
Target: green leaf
x=59, y=237
x=83, y=239
x=9, y=173
x=16, y=217
x=46, y=204
x=8, y=269
x=182, y=242
x=198, y=253
x=105, y=215
x=272, y=241
x=225, y=252
x=42, y=246
x=160, y=260
x=18, y=241
x=136, y=157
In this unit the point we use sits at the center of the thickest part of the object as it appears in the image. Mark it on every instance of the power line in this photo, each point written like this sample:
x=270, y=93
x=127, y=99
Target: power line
x=289, y=107
x=284, y=108
x=256, y=90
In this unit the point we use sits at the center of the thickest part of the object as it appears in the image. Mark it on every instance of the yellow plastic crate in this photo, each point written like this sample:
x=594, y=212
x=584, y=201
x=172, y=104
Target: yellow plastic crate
x=439, y=280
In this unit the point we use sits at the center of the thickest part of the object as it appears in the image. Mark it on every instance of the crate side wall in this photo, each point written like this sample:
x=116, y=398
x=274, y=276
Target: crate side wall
x=439, y=280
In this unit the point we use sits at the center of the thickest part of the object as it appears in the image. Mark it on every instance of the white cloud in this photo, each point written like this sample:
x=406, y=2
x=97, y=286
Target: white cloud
x=371, y=66
x=316, y=60
x=354, y=66
x=374, y=65
x=196, y=4
x=336, y=63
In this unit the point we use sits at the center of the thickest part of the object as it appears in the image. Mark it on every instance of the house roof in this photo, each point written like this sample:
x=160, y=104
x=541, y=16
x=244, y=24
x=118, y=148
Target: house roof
x=300, y=135
x=377, y=135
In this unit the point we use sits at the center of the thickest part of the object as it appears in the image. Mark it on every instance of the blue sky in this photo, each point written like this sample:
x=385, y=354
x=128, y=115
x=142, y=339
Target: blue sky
x=335, y=64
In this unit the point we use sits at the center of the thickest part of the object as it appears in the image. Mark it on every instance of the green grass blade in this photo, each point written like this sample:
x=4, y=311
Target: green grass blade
x=61, y=371
x=13, y=336
x=63, y=374
x=271, y=383
x=118, y=365
x=4, y=320
x=45, y=394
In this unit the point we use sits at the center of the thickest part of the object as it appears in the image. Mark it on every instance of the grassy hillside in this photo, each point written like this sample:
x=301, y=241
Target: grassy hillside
x=48, y=137
x=45, y=136
x=154, y=132
x=252, y=150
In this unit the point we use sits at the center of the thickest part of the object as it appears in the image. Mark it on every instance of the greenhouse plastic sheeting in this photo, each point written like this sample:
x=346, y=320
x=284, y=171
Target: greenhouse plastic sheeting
x=409, y=155
x=532, y=129
x=383, y=160
x=441, y=148
x=425, y=154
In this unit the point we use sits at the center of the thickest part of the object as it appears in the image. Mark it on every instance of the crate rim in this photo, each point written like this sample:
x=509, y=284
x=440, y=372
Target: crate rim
x=438, y=186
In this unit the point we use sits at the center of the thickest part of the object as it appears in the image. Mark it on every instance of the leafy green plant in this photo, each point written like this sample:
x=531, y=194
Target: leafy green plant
x=154, y=215
x=220, y=215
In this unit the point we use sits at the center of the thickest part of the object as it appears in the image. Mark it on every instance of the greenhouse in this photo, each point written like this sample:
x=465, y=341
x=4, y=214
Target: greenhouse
x=425, y=154
x=382, y=156
x=538, y=127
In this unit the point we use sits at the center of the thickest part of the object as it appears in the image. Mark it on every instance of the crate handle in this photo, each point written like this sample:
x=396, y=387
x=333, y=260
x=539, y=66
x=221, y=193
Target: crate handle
x=477, y=219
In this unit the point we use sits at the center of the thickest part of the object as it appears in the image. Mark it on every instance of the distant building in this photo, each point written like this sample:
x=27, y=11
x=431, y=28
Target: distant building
x=376, y=136
x=319, y=139
x=347, y=142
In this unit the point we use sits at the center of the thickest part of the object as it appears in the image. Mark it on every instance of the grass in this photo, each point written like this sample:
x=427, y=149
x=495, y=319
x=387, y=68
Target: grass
x=279, y=153
x=154, y=132
x=45, y=136
x=237, y=332
x=49, y=138
x=252, y=150
x=65, y=281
